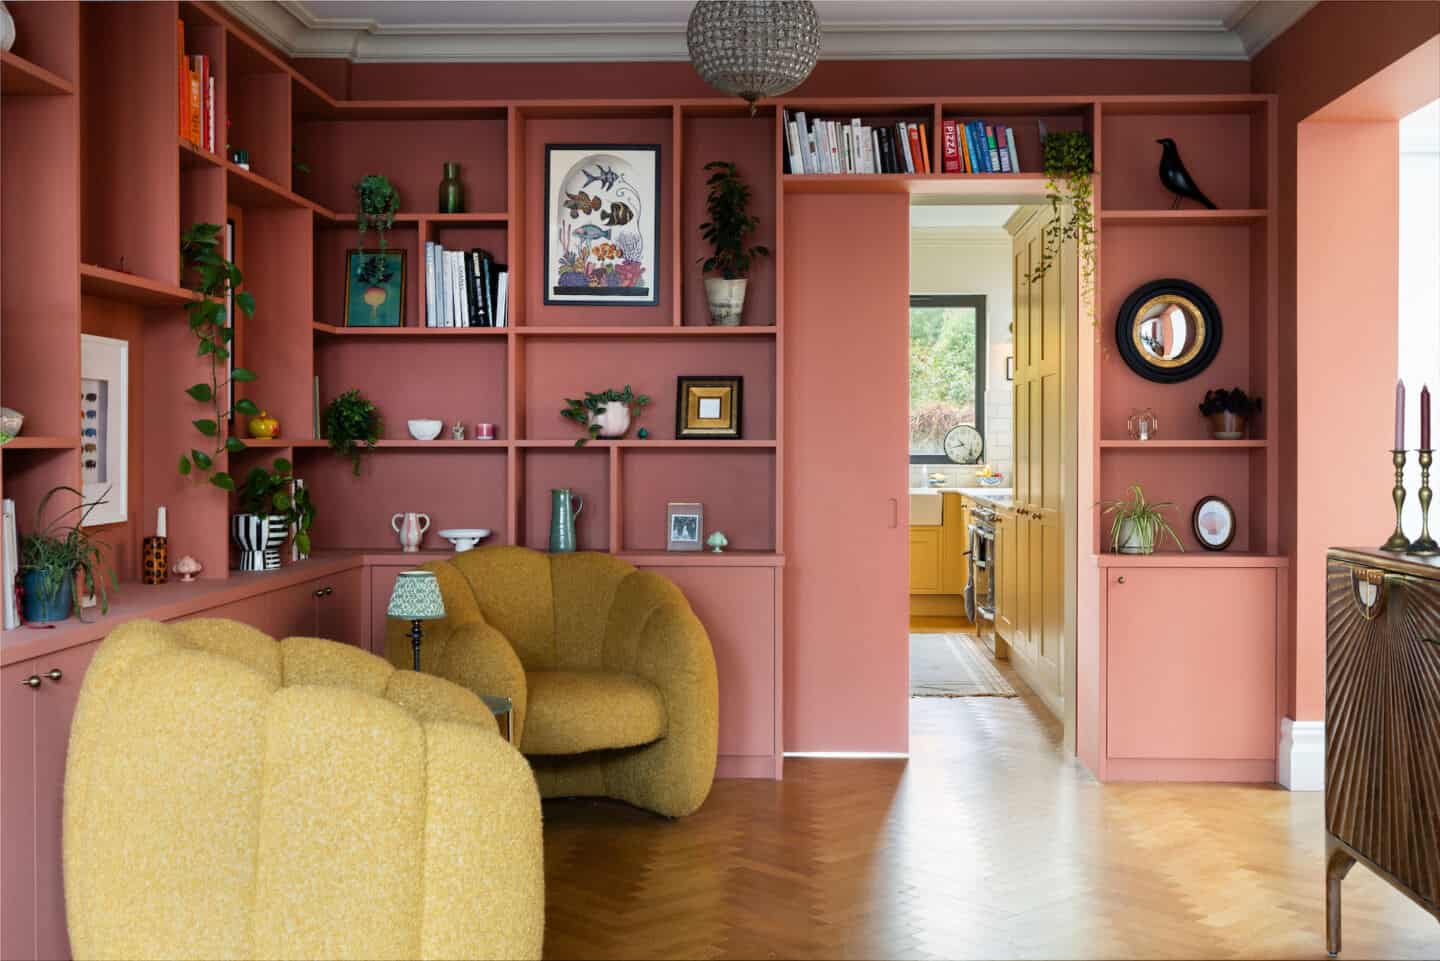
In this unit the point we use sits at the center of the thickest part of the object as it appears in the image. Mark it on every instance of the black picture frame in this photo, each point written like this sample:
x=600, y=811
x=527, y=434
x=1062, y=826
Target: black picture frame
x=1125, y=325
x=1200, y=536
x=685, y=431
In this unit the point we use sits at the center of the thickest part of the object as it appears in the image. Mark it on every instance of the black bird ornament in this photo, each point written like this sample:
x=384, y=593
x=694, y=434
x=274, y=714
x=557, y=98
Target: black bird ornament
x=1176, y=178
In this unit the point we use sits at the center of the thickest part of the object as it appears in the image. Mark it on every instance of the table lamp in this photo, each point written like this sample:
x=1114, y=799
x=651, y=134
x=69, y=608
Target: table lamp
x=416, y=598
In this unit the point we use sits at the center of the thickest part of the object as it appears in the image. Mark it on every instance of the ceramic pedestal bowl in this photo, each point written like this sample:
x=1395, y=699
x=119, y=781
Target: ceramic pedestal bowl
x=465, y=538
x=425, y=429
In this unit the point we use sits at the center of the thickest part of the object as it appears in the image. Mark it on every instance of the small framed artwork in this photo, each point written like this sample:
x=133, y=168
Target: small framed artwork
x=602, y=224
x=375, y=288
x=685, y=524
x=708, y=407
x=1213, y=523
x=104, y=427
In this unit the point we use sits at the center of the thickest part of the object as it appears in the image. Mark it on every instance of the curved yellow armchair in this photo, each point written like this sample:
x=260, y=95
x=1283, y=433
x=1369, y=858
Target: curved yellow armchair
x=230, y=796
x=611, y=673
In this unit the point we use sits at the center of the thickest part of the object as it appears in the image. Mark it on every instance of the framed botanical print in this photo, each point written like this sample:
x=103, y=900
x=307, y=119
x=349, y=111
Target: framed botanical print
x=685, y=526
x=104, y=428
x=602, y=224
x=708, y=407
x=375, y=288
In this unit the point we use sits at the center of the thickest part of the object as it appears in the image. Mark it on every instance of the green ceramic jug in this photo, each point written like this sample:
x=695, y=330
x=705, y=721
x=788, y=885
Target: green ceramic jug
x=562, y=519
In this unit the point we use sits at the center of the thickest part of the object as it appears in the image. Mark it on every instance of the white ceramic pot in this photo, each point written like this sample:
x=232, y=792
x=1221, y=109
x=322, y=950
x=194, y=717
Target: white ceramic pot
x=425, y=429
x=7, y=28
x=613, y=419
x=411, y=526
x=727, y=300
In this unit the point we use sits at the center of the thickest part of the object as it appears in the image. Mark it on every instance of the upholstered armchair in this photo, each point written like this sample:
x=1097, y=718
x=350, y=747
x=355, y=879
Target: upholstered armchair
x=230, y=796
x=611, y=673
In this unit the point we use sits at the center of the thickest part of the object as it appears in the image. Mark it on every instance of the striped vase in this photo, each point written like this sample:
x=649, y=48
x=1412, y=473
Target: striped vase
x=259, y=537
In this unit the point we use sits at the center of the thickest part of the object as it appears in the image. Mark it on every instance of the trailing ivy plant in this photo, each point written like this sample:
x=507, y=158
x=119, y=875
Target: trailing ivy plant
x=728, y=204
x=214, y=278
x=379, y=202
x=352, y=426
x=274, y=492
x=581, y=411
x=1069, y=160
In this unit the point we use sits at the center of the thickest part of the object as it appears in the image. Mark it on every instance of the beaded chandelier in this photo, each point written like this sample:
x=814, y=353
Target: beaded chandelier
x=753, y=48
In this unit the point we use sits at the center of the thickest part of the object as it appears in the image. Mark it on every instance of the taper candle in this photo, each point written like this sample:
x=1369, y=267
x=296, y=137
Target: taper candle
x=160, y=522
x=1425, y=417
x=1399, y=415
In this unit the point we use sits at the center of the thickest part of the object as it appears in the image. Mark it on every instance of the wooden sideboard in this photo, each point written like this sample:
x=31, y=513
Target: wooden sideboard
x=1382, y=719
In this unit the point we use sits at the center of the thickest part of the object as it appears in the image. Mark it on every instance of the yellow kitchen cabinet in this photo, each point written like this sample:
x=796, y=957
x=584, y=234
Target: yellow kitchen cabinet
x=925, y=560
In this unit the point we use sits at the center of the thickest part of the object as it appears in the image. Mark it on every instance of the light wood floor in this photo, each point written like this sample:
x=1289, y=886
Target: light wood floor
x=987, y=843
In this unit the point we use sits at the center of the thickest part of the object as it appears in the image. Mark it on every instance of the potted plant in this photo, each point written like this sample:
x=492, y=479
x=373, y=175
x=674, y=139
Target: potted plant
x=379, y=202
x=352, y=426
x=53, y=554
x=1068, y=158
x=1139, y=524
x=1229, y=411
x=606, y=414
x=730, y=223
x=271, y=503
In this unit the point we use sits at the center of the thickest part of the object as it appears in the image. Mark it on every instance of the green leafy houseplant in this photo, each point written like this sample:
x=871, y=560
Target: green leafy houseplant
x=1235, y=401
x=379, y=202
x=728, y=204
x=1069, y=160
x=1139, y=524
x=214, y=278
x=352, y=426
x=273, y=491
x=582, y=411
x=54, y=553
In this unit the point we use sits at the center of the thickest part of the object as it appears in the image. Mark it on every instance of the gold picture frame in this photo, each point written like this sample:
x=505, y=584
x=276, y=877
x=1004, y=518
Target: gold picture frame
x=708, y=407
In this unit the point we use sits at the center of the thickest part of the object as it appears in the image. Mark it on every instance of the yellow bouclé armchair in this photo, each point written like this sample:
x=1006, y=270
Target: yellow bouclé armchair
x=610, y=671
x=231, y=796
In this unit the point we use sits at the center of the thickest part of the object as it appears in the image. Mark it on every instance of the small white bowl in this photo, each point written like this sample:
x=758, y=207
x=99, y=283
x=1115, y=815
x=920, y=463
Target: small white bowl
x=465, y=538
x=425, y=429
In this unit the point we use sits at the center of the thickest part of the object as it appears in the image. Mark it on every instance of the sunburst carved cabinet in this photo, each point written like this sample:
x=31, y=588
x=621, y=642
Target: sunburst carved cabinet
x=1382, y=719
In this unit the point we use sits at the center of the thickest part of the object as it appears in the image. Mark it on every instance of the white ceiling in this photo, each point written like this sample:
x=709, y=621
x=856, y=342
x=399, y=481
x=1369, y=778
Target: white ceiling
x=949, y=216
x=610, y=30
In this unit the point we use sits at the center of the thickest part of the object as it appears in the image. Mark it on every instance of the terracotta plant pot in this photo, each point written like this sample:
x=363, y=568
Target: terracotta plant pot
x=1228, y=425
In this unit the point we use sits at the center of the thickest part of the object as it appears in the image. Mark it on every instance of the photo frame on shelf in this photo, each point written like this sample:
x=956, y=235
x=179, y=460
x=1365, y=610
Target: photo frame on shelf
x=684, y=526
x=104, y=428
x=708, y=407
x=374, y=288
x=1213, y=523
x=602, y=224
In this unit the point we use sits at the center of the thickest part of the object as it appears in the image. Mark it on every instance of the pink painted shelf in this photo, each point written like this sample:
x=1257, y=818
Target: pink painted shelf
x=132, y=288
x=705, y=558
x=998, y=185
x=1199, y=445
x=646, y=330
x=192, y=156
x=21, y=78
x=652, y=443
x=28, y=442
x=249, y=189
x=1161, y=218
x=1193, y=559
x=330, y=330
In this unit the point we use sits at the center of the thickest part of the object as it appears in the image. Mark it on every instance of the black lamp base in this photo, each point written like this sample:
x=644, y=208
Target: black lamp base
x=415, y=635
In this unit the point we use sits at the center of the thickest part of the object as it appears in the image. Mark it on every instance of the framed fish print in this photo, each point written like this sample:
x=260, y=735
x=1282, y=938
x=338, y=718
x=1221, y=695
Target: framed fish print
x=104, y=428
x=375, y=288
x=602, y=224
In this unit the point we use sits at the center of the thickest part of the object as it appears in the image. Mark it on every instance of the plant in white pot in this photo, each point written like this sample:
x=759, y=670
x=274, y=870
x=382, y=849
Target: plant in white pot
x=730, y=223
x=1139, y=524
x=606, y=414
x=271, y=504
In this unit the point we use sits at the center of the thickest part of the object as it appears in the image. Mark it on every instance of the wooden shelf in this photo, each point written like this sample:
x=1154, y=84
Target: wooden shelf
x=330, y=330
x=705, y=558
x=645, y=331
x=310, y=443
x=451, y=220
x=192, y=156
x=132, y=288
x=1193, y=559
x=1204, y=445
x=248, y=189
x=999, y=185
x=40, y=442
x=654, y=443
x=1165, y=218
x=21, y=78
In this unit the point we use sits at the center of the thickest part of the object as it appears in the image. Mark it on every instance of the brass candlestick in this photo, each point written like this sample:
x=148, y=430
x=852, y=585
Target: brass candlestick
x=1398, y=542
x=1425, y=544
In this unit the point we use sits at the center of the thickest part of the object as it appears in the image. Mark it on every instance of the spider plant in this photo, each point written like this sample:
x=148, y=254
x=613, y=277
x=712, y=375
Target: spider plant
x=53, y=553
x=1139, y=523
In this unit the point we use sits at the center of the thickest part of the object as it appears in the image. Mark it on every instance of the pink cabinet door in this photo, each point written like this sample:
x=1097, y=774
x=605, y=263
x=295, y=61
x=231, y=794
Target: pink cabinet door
x=17, y=811
x=342, y=614
x=1186, y=687
x=290, y=611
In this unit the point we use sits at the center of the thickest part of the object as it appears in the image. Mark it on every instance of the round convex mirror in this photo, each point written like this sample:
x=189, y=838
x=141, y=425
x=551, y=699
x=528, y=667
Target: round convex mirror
x=1168, y=331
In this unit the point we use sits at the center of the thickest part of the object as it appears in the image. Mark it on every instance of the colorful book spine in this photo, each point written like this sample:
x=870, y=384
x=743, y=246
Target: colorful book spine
x=993, y=148
x=182, y=88
x=917, y=161
x=949, y=148
x=981, y=151
x=429, y=283
x=925, y=164
x=194, y=134
x=1014, y=151
x=1004, y=149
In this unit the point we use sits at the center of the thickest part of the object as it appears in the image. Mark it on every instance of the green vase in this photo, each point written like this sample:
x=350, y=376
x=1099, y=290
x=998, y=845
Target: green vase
x=452, y=191
x=565, y=506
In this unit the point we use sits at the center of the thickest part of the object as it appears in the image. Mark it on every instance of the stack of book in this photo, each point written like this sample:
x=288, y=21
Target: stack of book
x=197, y=95
x=977, y=147
x=464, y=288
x=815, y=146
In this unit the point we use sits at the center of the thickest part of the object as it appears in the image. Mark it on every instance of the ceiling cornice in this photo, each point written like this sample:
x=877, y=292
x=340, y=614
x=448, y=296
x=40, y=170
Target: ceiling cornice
x=296, y=31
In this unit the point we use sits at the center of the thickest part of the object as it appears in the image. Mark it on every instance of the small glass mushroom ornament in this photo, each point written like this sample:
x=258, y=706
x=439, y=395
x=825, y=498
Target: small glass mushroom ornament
x=718, y=541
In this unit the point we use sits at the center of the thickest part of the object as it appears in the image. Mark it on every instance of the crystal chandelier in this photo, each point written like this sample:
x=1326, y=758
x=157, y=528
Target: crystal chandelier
x=753, y=48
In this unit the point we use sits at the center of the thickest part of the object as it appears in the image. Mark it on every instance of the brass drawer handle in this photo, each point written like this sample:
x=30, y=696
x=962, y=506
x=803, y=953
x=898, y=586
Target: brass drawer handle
x=1369, y=589
x=54, y=674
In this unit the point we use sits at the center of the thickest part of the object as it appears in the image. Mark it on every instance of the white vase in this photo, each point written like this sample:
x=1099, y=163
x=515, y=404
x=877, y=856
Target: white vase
x=727, y=300
x=613, y=419
x=7, y=28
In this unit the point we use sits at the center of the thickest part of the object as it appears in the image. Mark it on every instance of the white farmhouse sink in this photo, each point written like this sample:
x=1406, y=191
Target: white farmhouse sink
x=927, y=508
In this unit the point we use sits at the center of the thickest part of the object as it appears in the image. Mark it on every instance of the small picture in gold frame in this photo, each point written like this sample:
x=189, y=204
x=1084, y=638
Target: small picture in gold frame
x=708, y=407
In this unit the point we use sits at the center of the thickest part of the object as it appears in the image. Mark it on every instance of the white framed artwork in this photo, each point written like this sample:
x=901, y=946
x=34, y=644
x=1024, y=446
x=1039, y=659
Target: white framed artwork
x=105, y=428
x=685, y=526
x=602, y=224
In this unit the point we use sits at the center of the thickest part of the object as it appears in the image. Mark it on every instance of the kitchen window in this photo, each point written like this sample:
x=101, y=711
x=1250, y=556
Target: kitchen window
x=947, y=371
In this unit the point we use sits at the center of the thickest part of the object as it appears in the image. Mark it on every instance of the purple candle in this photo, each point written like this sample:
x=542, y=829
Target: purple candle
x=1399, y=415
x=1425, y=417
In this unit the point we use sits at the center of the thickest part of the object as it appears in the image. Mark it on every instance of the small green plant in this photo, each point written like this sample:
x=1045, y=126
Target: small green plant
x=1235, y=401
x=379, y=202
x=581, y=411
x=273, y=491
x=352, y=426
x=1139, y=523
x=1069, y=159
x=57, y=551
x=214, y=278
x=728, y=204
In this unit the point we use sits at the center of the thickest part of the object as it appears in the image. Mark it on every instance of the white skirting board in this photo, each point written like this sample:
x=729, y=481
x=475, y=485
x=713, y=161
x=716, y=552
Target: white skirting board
x=1301, y=764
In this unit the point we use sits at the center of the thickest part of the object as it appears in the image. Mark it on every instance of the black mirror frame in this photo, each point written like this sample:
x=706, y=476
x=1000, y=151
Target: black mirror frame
x=1125, y=322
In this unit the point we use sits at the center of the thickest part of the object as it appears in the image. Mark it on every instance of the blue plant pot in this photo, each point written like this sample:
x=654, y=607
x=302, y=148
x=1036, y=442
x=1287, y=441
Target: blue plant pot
x=42, y=610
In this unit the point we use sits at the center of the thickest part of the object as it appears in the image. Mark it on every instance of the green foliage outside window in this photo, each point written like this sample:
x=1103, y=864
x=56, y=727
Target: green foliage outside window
x=943, y=378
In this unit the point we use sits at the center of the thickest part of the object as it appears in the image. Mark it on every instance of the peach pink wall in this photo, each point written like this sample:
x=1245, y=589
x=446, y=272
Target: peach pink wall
x=1334, y=48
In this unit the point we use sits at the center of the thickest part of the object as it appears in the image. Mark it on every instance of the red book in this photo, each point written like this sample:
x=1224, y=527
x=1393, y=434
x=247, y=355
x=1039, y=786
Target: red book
x=950, y=144
x=194, y=132
x=916, y=155
x=202, y=70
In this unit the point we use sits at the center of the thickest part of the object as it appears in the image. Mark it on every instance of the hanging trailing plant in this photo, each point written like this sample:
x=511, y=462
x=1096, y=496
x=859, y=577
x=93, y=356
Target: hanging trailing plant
x=352, y=426
x=215, y=278
x=1069, y=162
x=379, y=202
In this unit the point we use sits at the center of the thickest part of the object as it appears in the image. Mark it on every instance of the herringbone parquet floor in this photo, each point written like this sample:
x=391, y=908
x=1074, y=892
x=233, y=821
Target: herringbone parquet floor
x=987, y=843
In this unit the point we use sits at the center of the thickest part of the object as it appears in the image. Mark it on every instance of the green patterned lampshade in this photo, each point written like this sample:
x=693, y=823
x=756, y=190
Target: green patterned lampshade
x=416, y=597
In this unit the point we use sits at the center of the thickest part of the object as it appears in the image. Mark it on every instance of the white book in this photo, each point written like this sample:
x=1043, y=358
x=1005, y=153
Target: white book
x=875, y=152
x=807, y=146
x=442, y=287
x=429, y=283
x=9, y=570
x=210, y=115
x=904, y=146
x=835, y=147
x=1010, y=146
x=857, y=147
x=822, y=145
x=465, y=292
x=847, y=153
x=792, y=146
x=457, y=274
x=867, y=150
x=502, y=299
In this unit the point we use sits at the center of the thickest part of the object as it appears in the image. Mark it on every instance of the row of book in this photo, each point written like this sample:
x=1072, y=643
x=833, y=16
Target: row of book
x=977, y=147
x=197, y=95
x=465, y=288
x=816, y=146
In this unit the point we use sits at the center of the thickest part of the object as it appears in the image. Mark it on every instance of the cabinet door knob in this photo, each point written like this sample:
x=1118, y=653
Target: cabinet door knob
x=1120, y=579
x=33, y=681
x=329, y=591
x=319, y=592
x=54, y=674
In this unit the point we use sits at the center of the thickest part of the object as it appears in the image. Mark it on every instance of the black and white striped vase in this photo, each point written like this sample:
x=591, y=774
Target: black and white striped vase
x=259, y=537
